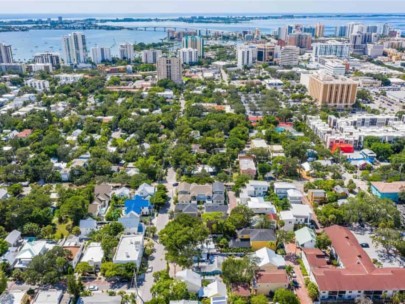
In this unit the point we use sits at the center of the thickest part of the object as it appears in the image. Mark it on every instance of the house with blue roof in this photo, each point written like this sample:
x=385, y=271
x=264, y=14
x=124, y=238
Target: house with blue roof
x=139, y=205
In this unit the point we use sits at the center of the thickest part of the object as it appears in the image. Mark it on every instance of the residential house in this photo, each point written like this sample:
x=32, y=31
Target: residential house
x=305, y=237
x=268, y=282
x=259, y=143
x=341, y=191
x=247, y=165
x=192, y=280
x=317, y=196
x=216, y=208
x=100, y=298
x=122, y=192
x=14, y=297
x=102, y=197
x=190, y=209
x=215, y=289
x=138, y=205
x=276, y=150
x=145, y=190
x=241, y=290
x=388, y=190
x=211, y=267
x=218, y=193
x=219, y=300
x=294, y=196
x=259, y=206
x=195, y=193
x=281, y=188
x=130, y=221
x=75, y=248
x=302, y=214
x=356, y=276
x=93, y=254
x=268, y=260
x=258, y=238
x=48, y=296
x=129, y=250
x=254, y=189
x=13, y=238
x=87, y=226
x=29, y=251
x=3, y=194
x=288, y=219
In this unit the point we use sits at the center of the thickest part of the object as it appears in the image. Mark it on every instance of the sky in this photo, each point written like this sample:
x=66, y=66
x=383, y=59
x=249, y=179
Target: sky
x=199, y=6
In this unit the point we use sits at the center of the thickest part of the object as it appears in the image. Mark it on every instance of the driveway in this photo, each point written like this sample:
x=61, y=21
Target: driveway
x=301, y=292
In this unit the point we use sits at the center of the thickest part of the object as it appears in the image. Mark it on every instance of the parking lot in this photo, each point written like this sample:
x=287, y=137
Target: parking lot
x=363, y=235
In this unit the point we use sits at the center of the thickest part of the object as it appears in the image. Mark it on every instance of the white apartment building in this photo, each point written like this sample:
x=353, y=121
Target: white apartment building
x=129, y=250
x=253, y=189
x=188, y=55
x=126, y=51
x=247, y=55
x=151, y=56
x=335, y=67
x=68, y=78
x=39, y=85
x=375, y=50
x=288, y=55
x=330, y=48
x=194, y=42
x=281, y=188
x=100, y=54
x=75, y=49
x=6, y=53
x=47, y=57
x=353, y=129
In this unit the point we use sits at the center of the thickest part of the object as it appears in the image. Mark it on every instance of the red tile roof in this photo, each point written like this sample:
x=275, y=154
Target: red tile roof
x=358, y=272
x=24, y=133
x=273, y=276
x=242, y=290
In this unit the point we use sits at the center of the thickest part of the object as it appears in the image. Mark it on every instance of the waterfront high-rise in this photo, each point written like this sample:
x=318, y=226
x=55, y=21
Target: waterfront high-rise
x=341, y=31
x=75, y=49
x=188, y=56
x=302, y=40
x=247, y=55
x=194, y=42
x=319, y=30
x=47, y=57
x=330, y=48
x=151, y=56
x=100, y=54
x=6, y=53
x=126, y=51
x=169, y=68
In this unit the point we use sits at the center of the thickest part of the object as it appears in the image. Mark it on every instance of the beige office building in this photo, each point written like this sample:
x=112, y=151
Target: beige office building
x=169, y=68
x=328, y=91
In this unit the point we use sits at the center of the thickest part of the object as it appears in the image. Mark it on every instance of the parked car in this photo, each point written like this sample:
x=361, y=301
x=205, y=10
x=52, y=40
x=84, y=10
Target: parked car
x=364, y=245
x=150, y=269
x=92, y=288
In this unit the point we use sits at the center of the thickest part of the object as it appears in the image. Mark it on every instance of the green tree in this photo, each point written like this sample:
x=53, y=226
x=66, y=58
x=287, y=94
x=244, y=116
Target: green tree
x=285, y=296
x=3, y=247
x=181, y=238
x=3, y=282
x=313, y=291
x=83, y=268
x=74, y=286
x=240, y=217
x=387, y=238
x=74, y=208
x=322, y=241
x=166, y=289
x=259, y=299
x=15, y=189
x=383, y=150
x=238, y=270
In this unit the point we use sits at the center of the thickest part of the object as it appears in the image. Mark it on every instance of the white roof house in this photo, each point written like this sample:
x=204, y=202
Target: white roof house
x=13, y=237
x=12, y=297
x=289, y=220
x=48, y=297
x=192, y=279
x=305, y=237
x=294, y=196
x=258, y=143
x=130, y=222
x=267, y=257
x=86, y=226
x=145, y=190
x=259, y=206
x=281, y=188
x=215, y=289
x=100, y=298
x=301, y=211
x=31, y=250
x=122, y=192
x=93, y=254
x=129, y=250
